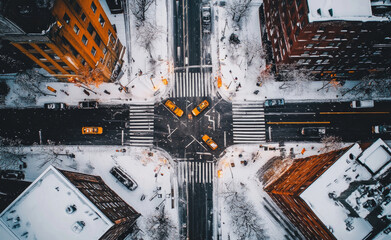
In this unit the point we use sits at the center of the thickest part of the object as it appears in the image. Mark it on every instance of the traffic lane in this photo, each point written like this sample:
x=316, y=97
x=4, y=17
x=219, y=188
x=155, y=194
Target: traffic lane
x=194, y=34
x=58, y=126
x=328, y=107
x=178, y=32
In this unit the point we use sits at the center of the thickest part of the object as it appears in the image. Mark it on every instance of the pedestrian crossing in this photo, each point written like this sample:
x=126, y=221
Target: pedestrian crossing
x=140, y=125
x=195, y=171
x=248, y=122
x=191, y=84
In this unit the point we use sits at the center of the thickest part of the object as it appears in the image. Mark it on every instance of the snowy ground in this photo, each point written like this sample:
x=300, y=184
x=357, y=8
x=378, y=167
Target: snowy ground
x=149, y=168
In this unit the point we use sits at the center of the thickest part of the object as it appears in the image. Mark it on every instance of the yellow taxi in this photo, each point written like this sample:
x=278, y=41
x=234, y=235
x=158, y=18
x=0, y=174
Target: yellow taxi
x=209, y=142
x=204, y=104
x=174, y=108
x=92, y=130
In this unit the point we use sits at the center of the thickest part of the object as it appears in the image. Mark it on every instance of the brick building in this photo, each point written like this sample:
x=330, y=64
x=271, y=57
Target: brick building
x=343, y=39
x=342, y=194
x=62, y=35
x=67, y=204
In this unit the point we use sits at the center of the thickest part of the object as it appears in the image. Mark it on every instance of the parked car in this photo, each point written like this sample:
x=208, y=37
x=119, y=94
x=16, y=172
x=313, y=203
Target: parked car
x=274, y=102
x=313, y=131
x=122, y=176
x=12, y=174
x=209, y=142
x=201, y=107
x=88, y=104
x=92, y=130
x=206, y=17
x=362, y=104
x=55, y=106
x=174, y=108
x=381, y=129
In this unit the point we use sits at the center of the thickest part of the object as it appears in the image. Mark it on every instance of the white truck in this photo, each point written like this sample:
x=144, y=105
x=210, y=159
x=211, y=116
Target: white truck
x=362, y=104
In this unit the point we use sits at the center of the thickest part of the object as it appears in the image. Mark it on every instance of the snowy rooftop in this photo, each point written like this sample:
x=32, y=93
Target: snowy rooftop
x=343, y=190
x=40, y=212
x=344, y=10
x=376, y=156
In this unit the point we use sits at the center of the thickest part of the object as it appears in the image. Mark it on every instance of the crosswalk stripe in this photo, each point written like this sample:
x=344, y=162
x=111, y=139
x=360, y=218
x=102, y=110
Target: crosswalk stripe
x=140, y=125
x=248, y=122
x=191, y=84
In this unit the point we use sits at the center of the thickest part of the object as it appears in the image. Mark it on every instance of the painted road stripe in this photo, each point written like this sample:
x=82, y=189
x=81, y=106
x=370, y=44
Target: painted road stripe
x=298, y=123
x=354, y=112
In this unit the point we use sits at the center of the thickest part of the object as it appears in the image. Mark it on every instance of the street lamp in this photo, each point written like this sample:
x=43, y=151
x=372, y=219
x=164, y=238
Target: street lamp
x=154, y=87
x=80, y=84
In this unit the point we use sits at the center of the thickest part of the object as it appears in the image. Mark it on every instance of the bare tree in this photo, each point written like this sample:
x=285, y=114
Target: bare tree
x=293, y=77
x=90, y=76
x=238, y=9
x=28, y=86
x=253, y=49
x=11, y=154
x=245, y=221
x=369, y=87
x=147, y=34
x=330, y=143
x=139, y=9
x=52, y=154
x=161, y=227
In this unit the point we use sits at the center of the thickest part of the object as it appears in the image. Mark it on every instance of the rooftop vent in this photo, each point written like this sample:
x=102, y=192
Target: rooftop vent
x=319, y=11
x=331, y=12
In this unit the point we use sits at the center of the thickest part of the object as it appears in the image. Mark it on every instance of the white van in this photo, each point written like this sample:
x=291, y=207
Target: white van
x=362, y=104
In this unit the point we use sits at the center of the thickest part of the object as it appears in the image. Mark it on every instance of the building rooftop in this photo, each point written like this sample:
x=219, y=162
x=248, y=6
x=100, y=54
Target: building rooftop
x=356, y=196
x=32, y=16
x=342, y=10
x=51, y=207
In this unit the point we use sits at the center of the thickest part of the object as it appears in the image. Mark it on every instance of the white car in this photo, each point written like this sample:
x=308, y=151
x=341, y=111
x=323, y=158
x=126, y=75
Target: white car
x=362, y=104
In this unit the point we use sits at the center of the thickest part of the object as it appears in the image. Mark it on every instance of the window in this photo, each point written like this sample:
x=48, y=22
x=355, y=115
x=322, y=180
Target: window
x=101, y=20
x=93, y=7
x=77, y=8
x=90, y=29
x=104, y=50
x=76, y=29
x=83, y=17
x=97, y=40
x=66, y=18
x=93, y=51
x=84, y=40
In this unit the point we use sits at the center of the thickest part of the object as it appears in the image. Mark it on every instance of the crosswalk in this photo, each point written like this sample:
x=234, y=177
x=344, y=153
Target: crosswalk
x=191, y=84
x=140, y=125
x=248, y=122
x=195, y=171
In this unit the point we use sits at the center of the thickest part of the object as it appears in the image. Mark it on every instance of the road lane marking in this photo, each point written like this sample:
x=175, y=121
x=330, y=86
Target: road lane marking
x=354, y=112
x=298, y=123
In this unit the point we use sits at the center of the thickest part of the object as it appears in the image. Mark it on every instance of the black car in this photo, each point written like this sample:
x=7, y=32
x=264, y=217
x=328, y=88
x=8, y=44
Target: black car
x=88, y=105
x=12, y=174
x=124, y=178
x=313, y=131
x=56, y=106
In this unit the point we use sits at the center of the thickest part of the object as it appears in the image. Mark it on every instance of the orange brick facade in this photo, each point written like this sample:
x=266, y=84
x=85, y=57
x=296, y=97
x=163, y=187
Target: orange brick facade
x=286, y=189
x=80, y=34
